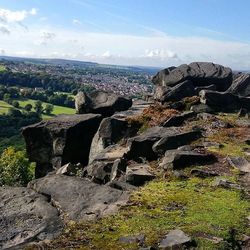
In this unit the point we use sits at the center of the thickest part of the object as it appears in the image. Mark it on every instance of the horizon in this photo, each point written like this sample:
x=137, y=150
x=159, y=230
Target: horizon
x=119, y=33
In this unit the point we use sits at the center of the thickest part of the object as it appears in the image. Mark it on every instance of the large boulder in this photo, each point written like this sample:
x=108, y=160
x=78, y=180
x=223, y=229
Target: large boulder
x=80, y=199
x=176, y=93
x=100, y=102
x=180, y=159
x=138, y=174
x=200, y=73
x=26, y=216
x=225, y=101
x=141, y=145
x=173, y=141
x=56, y=142
x=110, y=132
x=108, y=165
x=178, y=120
x=241, y=85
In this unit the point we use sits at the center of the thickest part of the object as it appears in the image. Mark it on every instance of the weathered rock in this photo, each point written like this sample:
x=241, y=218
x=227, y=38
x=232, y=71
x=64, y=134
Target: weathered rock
x=138, y=239
x=176, y=93
x=203, y=173
x=240, y=85
x=173, y=141
x=122, y=185
x=141, y=145
x=69, y=169
x=178, y=120
x=205, y=116
x=159, y=78
x=79, y=198
x=200, y=73
x=176, y=239
x=179, y=174
x=100, y=102
x=111, y=131
x=108, y=165
x=138, y=174
x=241, y=163
x=242, y=112
x=176, y=159
x=56, y=142
x=219, y=182
x=210, y=87
x=26, y=216
x=201, y=108
x=224, y=101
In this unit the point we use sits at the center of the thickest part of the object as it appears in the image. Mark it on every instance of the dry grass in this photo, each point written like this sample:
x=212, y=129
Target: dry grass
x=154, y=115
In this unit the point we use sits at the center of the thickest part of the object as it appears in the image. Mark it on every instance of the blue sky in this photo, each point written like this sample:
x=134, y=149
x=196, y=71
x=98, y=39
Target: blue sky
x=134, y=32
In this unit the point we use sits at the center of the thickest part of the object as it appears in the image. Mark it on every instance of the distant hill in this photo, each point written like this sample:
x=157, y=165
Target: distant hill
x=76, y=63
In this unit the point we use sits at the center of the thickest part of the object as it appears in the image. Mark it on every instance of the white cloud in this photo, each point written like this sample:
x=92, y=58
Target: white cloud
x=106, y=54
x=160, y=53
x=2, y=52
x=8, y=16
x=4, y=30
x=45, y=37
x=125, y=49
x=76, y=22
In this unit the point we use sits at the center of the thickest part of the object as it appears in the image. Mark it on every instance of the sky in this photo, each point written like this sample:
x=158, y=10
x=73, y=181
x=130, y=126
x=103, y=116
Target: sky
x=157, y=33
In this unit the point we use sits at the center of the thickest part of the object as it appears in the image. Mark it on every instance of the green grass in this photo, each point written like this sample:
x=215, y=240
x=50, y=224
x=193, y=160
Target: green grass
x=195, y=206
x=57, y=109
x=4, y=107
x=2, y=68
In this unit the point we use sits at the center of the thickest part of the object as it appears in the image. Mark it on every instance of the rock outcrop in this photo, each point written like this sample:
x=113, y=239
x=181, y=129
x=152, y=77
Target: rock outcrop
x=100, y=102
x=26, y=216
x=56, y=142
x=199, y=73
x=79, y=198
x=226, y=102
x=176, y=93
x=110, y=148
x=110, y=132
x=241, y=85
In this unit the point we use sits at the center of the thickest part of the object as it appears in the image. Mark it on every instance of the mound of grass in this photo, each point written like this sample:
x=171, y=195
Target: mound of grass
x=194, y=206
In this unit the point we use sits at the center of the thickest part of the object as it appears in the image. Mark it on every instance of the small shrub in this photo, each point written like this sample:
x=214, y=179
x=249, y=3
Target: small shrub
x=15, y=169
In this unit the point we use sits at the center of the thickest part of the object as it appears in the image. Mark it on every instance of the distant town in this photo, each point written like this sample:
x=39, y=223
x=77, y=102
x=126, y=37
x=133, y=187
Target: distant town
x=125, y=81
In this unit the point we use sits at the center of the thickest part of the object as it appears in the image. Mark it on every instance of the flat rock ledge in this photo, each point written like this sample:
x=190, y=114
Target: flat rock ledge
x=26, y=216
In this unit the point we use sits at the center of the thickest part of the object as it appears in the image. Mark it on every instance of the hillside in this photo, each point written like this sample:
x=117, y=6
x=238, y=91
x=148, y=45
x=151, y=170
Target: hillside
x=171, y=172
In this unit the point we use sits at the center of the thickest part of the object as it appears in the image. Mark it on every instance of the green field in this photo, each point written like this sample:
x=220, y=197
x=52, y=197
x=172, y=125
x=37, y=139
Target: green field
x=4, y=106
x=2, y=68
x=57, y=109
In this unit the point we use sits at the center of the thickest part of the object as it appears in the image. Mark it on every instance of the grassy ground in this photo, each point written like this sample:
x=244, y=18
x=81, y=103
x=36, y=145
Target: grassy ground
x=57, y=109
x=2, y=68
x=4, y=106
x=195, y=206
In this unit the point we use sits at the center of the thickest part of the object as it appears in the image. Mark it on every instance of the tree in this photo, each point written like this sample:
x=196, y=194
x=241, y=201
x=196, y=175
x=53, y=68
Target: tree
x=15, y=169
x=49, y=109
x=38, y=107
x=6, y=97
x=14, y=112
x=28, y=107
x=15, y=104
